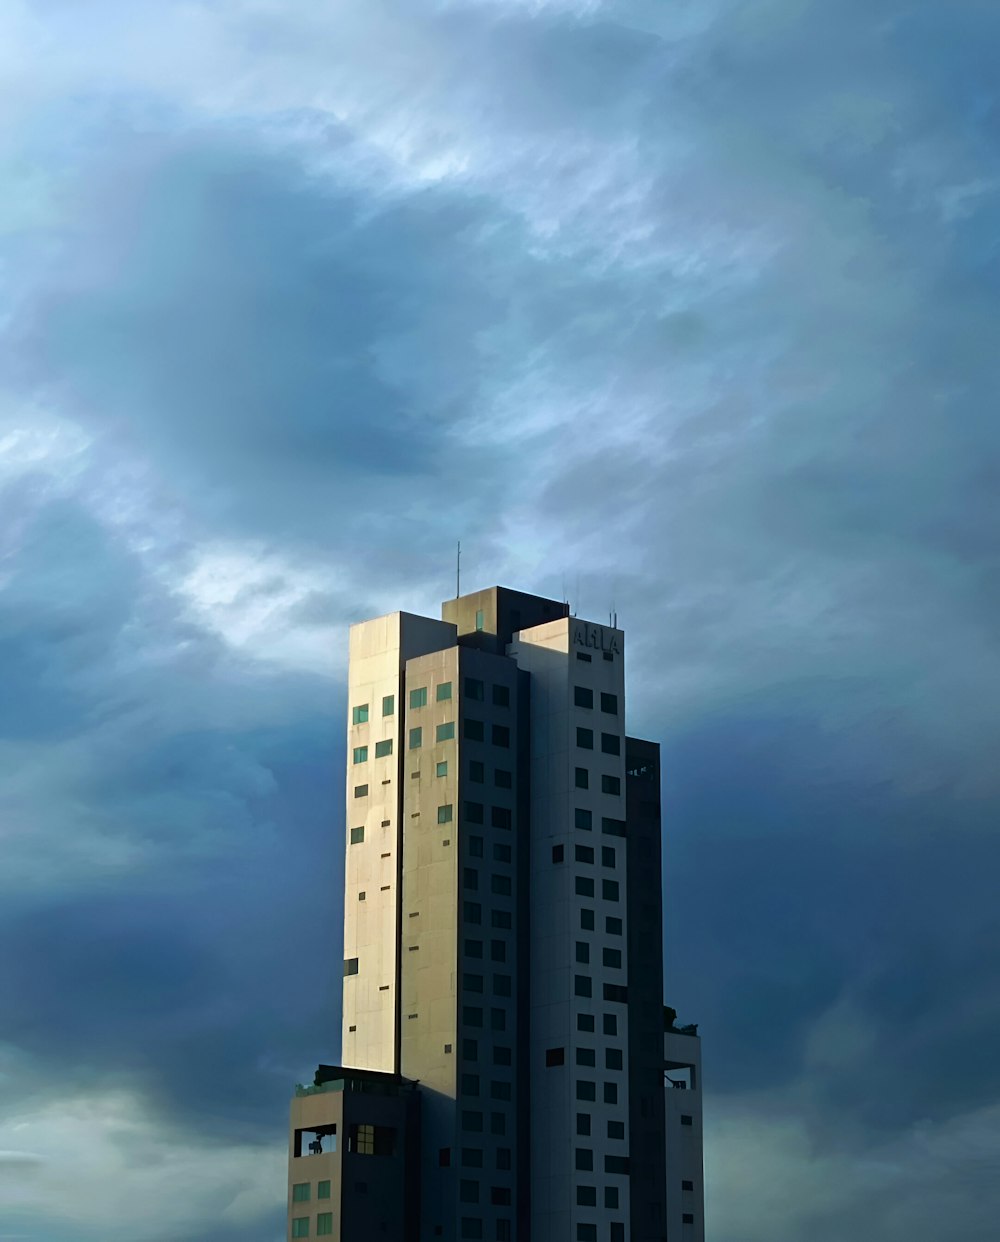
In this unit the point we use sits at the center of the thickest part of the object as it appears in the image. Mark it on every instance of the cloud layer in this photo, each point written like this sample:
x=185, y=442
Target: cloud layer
x=685, y=309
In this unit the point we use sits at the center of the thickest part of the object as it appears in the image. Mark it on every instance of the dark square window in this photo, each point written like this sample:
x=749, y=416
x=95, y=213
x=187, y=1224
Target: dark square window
x=582, y=985
x=502, y=778
x=611, y=1196
x=585, y=1159
x=587, y=919
x=474, y=948
x=501, y=885
x=613, y=1059
x=584, y=657
x=557, y=853
x=582, y=778
x=472, y=912
x=472, y=1157
x=501, y=696
x=583, y=1123
x=500, y=919
x=586, y=1056
x=585, y=738
x=616, y=1129
x=586, y=1090
x=583, y=696
x=613, y=827
x=503, y=1158
x=501, y=1054
x=586, y=1196
x=468, y=1191
x=616, y=992
x=618, y=1165
x=617, y=1231
x=444, y=1157
x=470, y=1049
x=583, y=952
x=686, y=1120
x=475, y=847
x=472, y=1226
x=500, y=817
x=474, y=689
x=609, y=703
x=687, y=1218
x=473, y=812
x=613, y=926
x=583, y=819
x=610, y=1024
x=501, y=735
x=361, y=791
x=472, y=730
x=498, y=1123
x=350, y=966
x=584, y=854
x=472, y=1015
x=498, y=1019
x=470, y=1084
x=503, y=1230
x=586, y=1232
x=585, y=1022
x=477, y=771
x=612, y=958
x=611, y=744
x=470, y=877
x=501, y=853
x=609, y=890
x=500, y=1196
x=610, y=1093
x=611, y=785
x=501, y=985
x=498, y=951
x=584, y=886
x=472, y=982
x=686, y=1185
x=500, y=1090
x=472, y=1121
x=609, y=856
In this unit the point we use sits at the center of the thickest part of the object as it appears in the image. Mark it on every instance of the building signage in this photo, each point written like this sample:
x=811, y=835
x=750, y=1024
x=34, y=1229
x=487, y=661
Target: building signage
x=596, y=636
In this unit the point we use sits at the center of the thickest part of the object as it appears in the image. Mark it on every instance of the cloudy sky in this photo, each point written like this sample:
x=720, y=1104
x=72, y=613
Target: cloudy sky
x=692, y=305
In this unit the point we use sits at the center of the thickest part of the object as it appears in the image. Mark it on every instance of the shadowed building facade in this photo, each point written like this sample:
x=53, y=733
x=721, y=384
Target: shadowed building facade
x=503, y=1008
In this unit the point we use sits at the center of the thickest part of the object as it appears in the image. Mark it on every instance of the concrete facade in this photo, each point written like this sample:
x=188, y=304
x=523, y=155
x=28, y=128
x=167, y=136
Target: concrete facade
x=503, y=934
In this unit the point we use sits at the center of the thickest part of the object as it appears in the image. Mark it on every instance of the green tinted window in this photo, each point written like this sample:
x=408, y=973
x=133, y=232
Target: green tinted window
x=324, y=1224
x=418, y=698
x=445, y=732
x=443, y=691
x=322, y=1190
x=360, y=754
x=416, y=739
x=388, y=705
x=442, y=768
x=359, y=715
x=300, y=1192
x=357, y=836
x=444, y=814
x=383, y=748
x=300, y=1227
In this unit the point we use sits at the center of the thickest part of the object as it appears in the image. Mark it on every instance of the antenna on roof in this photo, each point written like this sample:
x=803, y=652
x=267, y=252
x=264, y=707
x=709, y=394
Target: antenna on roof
x=458, y=570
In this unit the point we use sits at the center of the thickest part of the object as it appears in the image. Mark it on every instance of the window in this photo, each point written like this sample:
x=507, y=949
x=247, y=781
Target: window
x=611, y=744
x=686, y=1119
x=500, y=919
x=477, y=771
x=361, y=791
x=383, y=748
x=418, y=698
x=613, y=926
x=324, y=1224
x=416, y=739
x=501, y=853
x=359, y=715
x=445, y=814
x=587, y=918
x=585, y=1159
x=616, y=1130
x=583, y=952
x=445, y=732
x=582, y=778
x=443, y=692
x=686, y=1185
x=479, y=618
x=472, y=983
x=474, y=689
x=584, y=854
x=687, y=1218
x=473, y=730
x=350, y=966
x=583, y=696
x=612, y=958
x=500, y=1196
x=585, y=1022
x=323, y=1190
x=609, y=890
x=389, y=705
x=586, y=1090
x=498, y=1020
x=582, y=655
x=610, y=1196
x=470, y=1084
x=610, y=1024
x=472, y=1015
x=500, y=885
x=586, y=1196
x=611, y=785
x=475, y=847
x=586, y=1232
x=360, y=754
x=616, y=992
x=586, y=1056
x=300, y=1192
x=583, y=1123
x=609, y=703
x=613, y=827
x=357, y=835
x=498, y=1123
x=470, y=1047
x=584, y=886
x=468, y=1191
x=585, y=738
x=583, y=819
x=582, y=985
x=370, y=1140
x=502, y=778
x=473, y=812
x=608, y=856
x=441, y=769
x=613, y=1059
x=617, y=1231
x=501, y=1054
x=472, y=1157
x=500, y=817
x=498, y=951
x=557, y=853
x=503, y=1158
x=472, y=912
x=503, y=1230
x=618, y=1165
x=300, y=1227
x=501, y=696
x=473, y=948
x=472, y=1121
x=554, y=1057
x=501, y=985
x=501, y=735
x=444, y=1157
x=499, y=1090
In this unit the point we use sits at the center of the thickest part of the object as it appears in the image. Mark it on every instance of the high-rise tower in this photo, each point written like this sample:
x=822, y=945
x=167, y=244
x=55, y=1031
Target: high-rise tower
x=510, y=1071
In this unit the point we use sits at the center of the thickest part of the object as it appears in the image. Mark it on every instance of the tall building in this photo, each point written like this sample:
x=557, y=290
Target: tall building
x=510, y=1070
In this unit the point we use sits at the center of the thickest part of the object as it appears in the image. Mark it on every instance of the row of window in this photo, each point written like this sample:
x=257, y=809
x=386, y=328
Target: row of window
x=472, y=982
x=500, y=885
x=475, y=690
x=586, y=1196
x=583, y=884
x=611, y=743
x=301, y=1191
x=472, y=1227
x=584, y=820
x=324, y=1225
x=472, y=914
x=359, y=714
x=613, y=1058
x=499, y=1090
x=612, y=958
x=472, y=1158
x=583, y=696
x=609, y=784
x=382, y=749
x=584, y=1128
x=586, y=854
x=502, y=1053
x=468, y=1192
x=587, y=1232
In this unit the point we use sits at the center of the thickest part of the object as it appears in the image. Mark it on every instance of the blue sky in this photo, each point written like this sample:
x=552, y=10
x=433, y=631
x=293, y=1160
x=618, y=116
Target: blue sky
x=689, y=306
